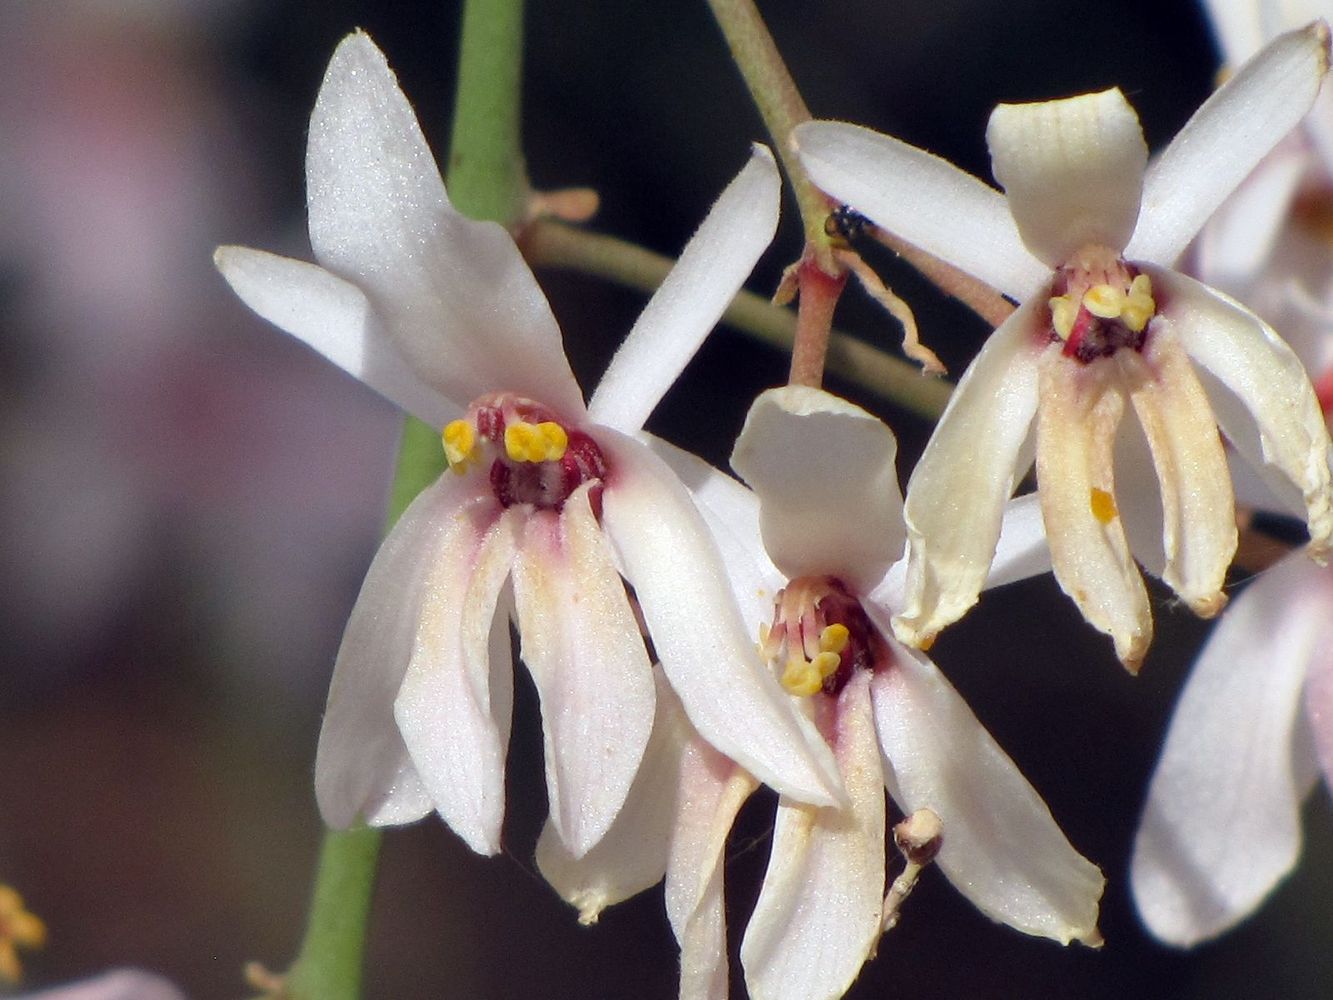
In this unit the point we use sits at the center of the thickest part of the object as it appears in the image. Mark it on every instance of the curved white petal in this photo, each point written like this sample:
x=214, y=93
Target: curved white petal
x=1022, y=550
x=456, y=700
x=1221, y=825
x=362, y=767
x=922, y=198
x=1238, y=27
x=712, y=660
x=710, y=271
x=1225, y=139
x=1001, y=848
x=824, y=472
x=581, y=643
x=1138, y=496
x=1319, y=696
x=1072, y=171
x=456, y=296
x=956, y=496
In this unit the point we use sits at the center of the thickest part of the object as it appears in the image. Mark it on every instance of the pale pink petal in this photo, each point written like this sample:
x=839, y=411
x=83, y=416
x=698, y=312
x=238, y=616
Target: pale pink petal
x=922, y=198
x=455, y=295
x=1072, y=171
x=692, y=298
x=819, y=912
x=581, y=643
x=121, y=984
x=1222, y=821
x=1001, y=848
x=1225, y=139
x=1319, y=695
x=824, y=472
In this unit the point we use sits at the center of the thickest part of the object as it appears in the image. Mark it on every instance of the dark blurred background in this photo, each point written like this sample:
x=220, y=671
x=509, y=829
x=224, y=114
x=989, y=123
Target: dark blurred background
x=188, y=499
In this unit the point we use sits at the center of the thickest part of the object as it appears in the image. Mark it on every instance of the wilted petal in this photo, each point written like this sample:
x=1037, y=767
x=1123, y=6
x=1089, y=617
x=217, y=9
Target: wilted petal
x=824, y=472
x=1000, y=846
x=1221, y=825
x=922, y=198
x=581, y=643
x=692, y=298
x=819, y=912
x=1072, y=171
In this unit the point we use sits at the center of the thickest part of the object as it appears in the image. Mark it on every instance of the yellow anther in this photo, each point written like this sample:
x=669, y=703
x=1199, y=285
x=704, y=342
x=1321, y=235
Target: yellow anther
x=1102, y=505
x=544, y=442
x=460, y=444
x=18, y=929
x=801, y=677
x=826, y=663
x=833, y=639
x=1064, y=311
x=1139, y=306
x=1104, y=301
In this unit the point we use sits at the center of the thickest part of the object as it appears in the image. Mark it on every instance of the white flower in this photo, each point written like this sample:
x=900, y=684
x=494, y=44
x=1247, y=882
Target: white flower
x=1112, y=327
x=119, y=984
x=548, y=503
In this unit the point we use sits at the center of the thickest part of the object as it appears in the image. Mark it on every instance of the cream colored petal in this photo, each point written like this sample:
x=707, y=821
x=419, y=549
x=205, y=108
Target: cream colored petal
x=1081, y=406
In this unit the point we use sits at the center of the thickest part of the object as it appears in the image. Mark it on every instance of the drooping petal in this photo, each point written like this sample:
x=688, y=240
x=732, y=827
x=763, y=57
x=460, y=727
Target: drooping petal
x=819, y=911
x=922, y=198
x=824, y=472
x=1001, y=848
x=581, y=643
x=362, y=767
x=1072, y=171
x=1269, y=391
x=332, y=316
x=692, y=298
x=1222, y=821
x=712, y=661
x=455, y=295
x=456, y=701
x=1225, y=139
x=956, y=496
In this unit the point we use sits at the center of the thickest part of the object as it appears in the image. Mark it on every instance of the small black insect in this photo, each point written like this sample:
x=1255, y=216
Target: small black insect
x=846, y=223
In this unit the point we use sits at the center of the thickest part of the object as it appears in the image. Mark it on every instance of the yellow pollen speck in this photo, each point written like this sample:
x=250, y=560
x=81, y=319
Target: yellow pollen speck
x=826, y=663
x=18, y=929
x=1139, y=305
x=1102, y=505
x=833, y=639
x=460, y=444
x=1064, y=311
x=801, y=677
x=1104, y=301
x=544, y=442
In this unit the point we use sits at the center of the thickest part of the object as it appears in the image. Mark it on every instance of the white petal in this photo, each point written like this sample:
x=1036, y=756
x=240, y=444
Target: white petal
x=708, y=654
x=818, y=916
x=922, y=198
x=581, y=643
x=121, y=984
x=692, y=298
x=1319, y=695
x=1022, y=550
x=1071, y=169
x=1221, y=825
x=824, y=472
x=1238, y=27
x=332, y=316
x=362, y=767
x=956, y=496
x=456, y=296
x=1225, y=139
x=1265, y=377
x=456, y=701
x=1001, y=848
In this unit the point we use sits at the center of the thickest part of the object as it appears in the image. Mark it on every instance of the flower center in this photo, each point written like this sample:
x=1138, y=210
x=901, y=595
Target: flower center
x=819, y=635
x=533, y=458
x=1099, y=304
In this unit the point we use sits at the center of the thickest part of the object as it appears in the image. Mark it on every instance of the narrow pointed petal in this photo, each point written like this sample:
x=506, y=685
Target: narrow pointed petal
x=1225, y=139
x=455, y=295
x=456, y=700
x=956, y=496
x=1072, y=171
x=819, y=913
x=1001, y=848
x=362, y=767
x=1222, y=821
x=824, y=472
x=922, y=198
x=1269, y=410
x=1319, y=697
x=711, y=270
x=581, y=643
x=708, y=653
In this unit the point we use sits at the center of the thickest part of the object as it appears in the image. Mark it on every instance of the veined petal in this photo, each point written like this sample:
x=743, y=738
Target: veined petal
x=922, y=198
x=456, y=701
x=456, y=296
x=712, y=661
x=1269, y=391
x=1072, y=171
x=1225, y=139
x=819, y=911
x=956, y=496
x=1222, y=821
x=581, y=643
x=692, y=298
x=1001, y=848
x=332, y=316
x=824, y=472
